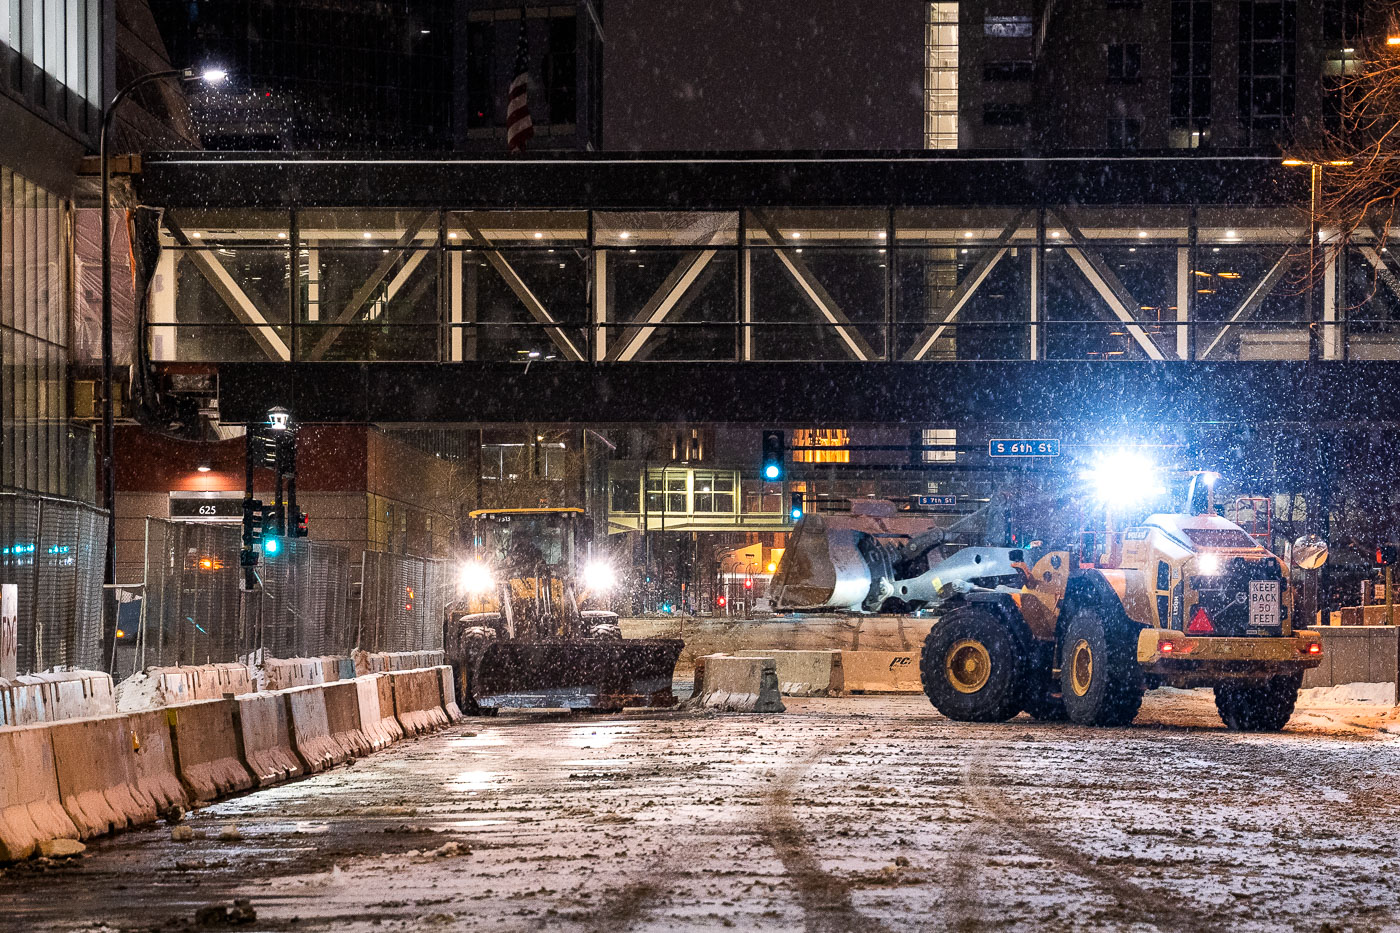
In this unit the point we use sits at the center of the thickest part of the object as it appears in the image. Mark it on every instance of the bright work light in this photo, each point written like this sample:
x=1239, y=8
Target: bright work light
x=1124, y=478
x=599, y=576
x=474, y=577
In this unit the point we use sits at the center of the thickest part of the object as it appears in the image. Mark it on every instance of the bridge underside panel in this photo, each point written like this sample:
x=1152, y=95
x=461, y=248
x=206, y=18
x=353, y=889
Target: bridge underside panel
x=1130, y=393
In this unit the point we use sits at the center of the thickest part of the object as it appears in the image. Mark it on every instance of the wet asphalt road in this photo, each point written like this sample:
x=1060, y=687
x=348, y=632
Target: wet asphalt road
x=847, y=814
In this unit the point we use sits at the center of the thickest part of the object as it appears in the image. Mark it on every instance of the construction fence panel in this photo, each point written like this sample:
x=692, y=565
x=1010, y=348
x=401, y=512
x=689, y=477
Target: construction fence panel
x=303, y=608
x=53, y=549
x=402, y=602
x=193, y=604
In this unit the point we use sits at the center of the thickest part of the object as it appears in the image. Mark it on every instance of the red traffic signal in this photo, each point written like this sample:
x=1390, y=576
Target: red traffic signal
x=748, y=584
x=721, y=602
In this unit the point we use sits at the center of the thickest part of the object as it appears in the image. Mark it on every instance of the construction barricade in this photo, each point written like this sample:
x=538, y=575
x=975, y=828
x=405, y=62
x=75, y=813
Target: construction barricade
x=742, y=685
x=154, y=755
x=418, y=700
x=805, y=673
x=377, y=717
x=449, y=694
x=342, y=700
x=311, y=731
x=285, y=673
x=206, y=739
x=266, y=738
x=95, y=763
x=30, y=807
x=881, y=671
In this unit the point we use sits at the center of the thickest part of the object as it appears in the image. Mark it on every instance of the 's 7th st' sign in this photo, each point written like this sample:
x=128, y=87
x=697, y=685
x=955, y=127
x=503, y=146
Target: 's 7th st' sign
x=1023, y=447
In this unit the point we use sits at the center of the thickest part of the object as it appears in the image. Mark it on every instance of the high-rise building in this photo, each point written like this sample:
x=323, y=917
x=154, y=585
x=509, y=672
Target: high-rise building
x=977, y=74
x=344, y=74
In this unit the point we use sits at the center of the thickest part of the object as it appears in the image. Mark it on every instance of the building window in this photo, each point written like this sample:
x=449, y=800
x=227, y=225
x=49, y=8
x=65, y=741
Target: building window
x=674, y=499
x=837, y=438
x=1268, y=69
x=1124, y=133
x=1124, y=64
x=492, y=40
x=714, y=492
x=1003, y=115
x=939, y=437
x=1190, y=57
x=1007, y=27
x=941, y=77
x=1015, y=70
x=1342, y=20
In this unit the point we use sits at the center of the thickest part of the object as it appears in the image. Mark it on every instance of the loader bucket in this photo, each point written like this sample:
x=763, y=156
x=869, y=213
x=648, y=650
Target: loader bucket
x=584, y=673
x=822, y=567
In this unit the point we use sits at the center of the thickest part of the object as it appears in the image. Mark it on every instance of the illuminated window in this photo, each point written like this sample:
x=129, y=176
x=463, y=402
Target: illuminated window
x=821, y=437
x=940, y=437
x=941, y=79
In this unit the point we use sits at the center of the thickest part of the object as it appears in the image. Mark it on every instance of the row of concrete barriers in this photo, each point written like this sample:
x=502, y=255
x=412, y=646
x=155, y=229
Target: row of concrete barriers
x=89, y=776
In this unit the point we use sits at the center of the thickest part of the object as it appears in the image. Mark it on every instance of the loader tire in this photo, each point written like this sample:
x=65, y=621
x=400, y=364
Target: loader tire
x=1264, y=706
x=1099, y=677
x=973, y=667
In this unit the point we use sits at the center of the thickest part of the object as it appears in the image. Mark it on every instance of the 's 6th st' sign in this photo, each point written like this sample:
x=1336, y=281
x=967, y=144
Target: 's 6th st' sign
x=1023, y=447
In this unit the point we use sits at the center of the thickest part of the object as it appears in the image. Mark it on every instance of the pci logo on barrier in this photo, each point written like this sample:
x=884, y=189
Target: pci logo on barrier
x=904, y=660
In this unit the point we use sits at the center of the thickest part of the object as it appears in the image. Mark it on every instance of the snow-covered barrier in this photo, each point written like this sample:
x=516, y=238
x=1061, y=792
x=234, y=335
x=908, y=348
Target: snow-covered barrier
x=1356, y=654
x=158, y=687
x=806, y=673
x=55, y=696
x=376, y=662
x=741, y=685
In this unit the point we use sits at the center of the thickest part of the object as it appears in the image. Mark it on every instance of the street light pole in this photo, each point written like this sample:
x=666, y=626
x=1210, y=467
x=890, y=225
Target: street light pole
x=109, y=476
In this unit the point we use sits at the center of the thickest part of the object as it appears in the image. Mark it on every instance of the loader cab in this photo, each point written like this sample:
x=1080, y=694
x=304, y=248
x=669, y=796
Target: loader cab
x=527, y=542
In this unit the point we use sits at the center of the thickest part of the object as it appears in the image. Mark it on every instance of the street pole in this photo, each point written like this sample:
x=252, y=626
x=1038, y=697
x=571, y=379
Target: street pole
x=1314, y=184
x=109, y=476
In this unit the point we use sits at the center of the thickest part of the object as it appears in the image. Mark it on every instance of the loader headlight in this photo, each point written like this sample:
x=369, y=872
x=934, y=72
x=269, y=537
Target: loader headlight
x=599, y=576
x=1208, y=564
x=1124, y=478
x=474, y=577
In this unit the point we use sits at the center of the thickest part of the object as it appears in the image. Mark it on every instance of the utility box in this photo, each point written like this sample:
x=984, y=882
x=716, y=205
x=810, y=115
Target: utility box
x=9, y=631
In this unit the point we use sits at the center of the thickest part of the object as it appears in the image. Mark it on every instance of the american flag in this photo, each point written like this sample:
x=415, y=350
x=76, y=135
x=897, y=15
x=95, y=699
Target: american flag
x=519, y=129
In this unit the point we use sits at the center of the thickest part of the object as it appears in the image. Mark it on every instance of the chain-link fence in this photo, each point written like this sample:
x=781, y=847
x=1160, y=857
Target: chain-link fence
x=402, y=601
x=193, y=607
x=53, y=549
x=304, y=607
x=196, y=611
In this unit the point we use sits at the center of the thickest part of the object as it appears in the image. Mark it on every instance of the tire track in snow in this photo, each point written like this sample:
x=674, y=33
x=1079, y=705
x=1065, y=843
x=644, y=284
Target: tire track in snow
x=1177, y=916
x=825, y=898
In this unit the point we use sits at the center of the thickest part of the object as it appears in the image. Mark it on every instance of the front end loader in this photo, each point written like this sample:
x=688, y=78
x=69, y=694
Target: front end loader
x=526, y=632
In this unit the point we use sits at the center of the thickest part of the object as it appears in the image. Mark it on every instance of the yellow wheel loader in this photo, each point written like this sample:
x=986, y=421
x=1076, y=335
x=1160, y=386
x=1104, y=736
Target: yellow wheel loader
x=531, y=627
x=1080, y=628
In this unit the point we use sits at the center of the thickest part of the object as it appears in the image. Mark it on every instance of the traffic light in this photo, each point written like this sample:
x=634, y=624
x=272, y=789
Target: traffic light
x=252, y=532
x=796, y=510
x=273, y=529
x=773, y=456
x=299, y=529
x=1387, y=554
x=721, y=602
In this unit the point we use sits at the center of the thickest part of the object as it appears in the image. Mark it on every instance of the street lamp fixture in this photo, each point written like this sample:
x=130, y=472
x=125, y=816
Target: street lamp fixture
x=109, y=480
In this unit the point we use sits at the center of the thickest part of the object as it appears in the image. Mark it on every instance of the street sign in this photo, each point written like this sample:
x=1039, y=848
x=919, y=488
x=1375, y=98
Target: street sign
x=1023, y=447
x=937, y=500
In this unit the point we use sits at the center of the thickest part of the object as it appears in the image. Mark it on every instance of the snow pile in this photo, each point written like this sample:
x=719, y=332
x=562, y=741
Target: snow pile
x=1347, y=694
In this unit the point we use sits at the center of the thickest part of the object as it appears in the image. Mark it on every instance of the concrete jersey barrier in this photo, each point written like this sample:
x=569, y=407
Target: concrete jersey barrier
x=744, y=685
x=382, y=706
x=265, y=738
x=449, y=694
x=285, y=673
x=156, y=776
x=342, y=700
x=881, y=671
x=95, y=761
x=30, y=807
x=311, y=732
x=806, y=673
x=418, y=700
x=55, y=696
x=206, y=741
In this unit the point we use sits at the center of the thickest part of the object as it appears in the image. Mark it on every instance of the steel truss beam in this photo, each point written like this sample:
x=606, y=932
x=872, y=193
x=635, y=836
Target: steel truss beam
x=532, y=303
x=1109, y=288
x=960, y=296
x=233, y=295
x=370, y=285
x=1253, y=300
x=815, y=293
x=663, y=301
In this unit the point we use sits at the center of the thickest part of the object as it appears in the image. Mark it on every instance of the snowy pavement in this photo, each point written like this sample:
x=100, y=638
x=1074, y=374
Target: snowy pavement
x=862, y=813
